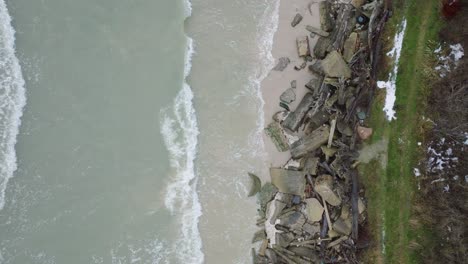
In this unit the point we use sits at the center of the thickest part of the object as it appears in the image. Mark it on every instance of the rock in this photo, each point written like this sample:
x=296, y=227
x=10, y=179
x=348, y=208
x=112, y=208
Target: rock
x=312, y=229
x=310, y=142
x=288, y=181
x=334, y=66
x=343, y=226
x=317, y=68
x=293, y=84
x=350, y=46
x=324, y=187
x=273, y=209
x=310, y=165
x=288, y=96
x=358, y=3
x=284, y=239
x=266, y=194
x=256, y=184
x=275, y=132
x=297, y=19
x=326, y=20
x=300, y=67
x=259, y=236
x=314, y=210
x=285, y=106
x=306, y=252
x=280, y=116
x=321, y=47
x=293, y=220
x=303, y=46
x=328, y=152
x=309, y=58
x=361, y=206
x=317, y=31
x=318, y=119
x=271, y=255
x=294, y=120
x=364, y=132
x=283, y=62
x=344, y=128
x=314, y=85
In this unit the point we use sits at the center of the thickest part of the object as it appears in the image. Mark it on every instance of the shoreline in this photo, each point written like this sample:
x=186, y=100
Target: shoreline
x=276, y=82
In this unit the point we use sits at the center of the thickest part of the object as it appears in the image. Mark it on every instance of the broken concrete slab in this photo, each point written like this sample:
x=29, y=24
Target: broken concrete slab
x=312, y=229
x=317, y=31
x=312, y=255
x=293, y=220
x=344, y=128
x=350, y=46
x=303, y=46
x=324, y=187
x=256, y=184
x=294, y=120
x=310, y=142
x=259, y=236
x=314, y=210
x=314, y=85
x=283, y=62
x=275, y=132
x=343, y=226
x=322, y=47
x=318, y=119
x=288, y=96
x=326, y=19
x=293, y=84
x=288, y=181
x=296, y=20
x=334, y=66
x=284, y=239
x=328, y=152
x=310, y=165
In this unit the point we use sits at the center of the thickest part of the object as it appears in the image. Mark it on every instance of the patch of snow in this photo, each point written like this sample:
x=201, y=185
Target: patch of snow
x=455, y=178
x=466, y=178
x=449, y=62
x=419, y=143
x=416, y=171
x=457, y=52
x=438, y=180
x=390, y=85
x=447, y=188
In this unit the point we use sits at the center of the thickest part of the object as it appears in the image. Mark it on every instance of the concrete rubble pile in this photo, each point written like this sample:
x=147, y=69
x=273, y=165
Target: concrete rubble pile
x=312, y=209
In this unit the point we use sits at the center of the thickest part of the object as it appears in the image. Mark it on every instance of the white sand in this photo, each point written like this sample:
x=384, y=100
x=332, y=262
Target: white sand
x=278, y=81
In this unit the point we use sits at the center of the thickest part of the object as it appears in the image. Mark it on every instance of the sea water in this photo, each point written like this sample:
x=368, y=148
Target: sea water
x=141, y=123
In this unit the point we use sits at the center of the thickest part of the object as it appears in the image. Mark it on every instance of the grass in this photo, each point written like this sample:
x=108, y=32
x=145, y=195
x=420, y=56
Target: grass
x=391, y=190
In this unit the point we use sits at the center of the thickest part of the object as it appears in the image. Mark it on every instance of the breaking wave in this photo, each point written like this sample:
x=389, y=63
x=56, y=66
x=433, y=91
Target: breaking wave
x=180, y=132
x=12, y=100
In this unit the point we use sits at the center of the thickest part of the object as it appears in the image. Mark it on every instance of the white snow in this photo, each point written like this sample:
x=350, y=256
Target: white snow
x=449, y=62
x=416, y=171
x=390, y=84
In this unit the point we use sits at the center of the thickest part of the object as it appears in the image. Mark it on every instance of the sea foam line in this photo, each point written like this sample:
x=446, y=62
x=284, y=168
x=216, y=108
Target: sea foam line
x=180, y=132
x=12, y=100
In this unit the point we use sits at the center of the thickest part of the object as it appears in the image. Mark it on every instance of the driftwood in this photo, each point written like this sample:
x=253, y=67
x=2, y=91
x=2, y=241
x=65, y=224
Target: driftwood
x=344, y=27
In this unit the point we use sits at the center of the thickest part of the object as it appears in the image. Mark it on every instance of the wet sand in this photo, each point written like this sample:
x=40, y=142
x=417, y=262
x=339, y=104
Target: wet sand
x=278, y=81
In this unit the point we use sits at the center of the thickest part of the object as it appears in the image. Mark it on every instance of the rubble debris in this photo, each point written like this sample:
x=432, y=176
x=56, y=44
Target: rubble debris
x=275, y=132
x=324, y=187
x=350, y=47
x=322, y=47
x=296, y=20
x=364, y=132
x=314, y=210
x=294, y=120
x=317, y=31
x=284, y=106
x=334, y=66
x=326, y=20
x=303, y=46
x=256, y=184
x=288, y=181
x=288, y=96
x=310, y=142
x=293, y=84
x=283, y=62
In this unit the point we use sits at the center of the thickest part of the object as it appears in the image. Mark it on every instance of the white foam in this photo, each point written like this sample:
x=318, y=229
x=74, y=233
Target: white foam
x=12, y=100
x=180, y=132
x=390, y=84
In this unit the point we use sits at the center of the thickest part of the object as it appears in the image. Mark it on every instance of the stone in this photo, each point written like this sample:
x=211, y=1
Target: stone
x=303, y=46
x=293, y=84
x=266, y=194
x=314, y=85
x=361, y=206
x=342, y=227
x=326, y=20
x=322, y=47
x=312, y=229
x=317, y=68
x=350, y=46
x=293, y=220
x=288, y=181
x=256, y=184
x=294, y=120
x=275, y=132
x=284, y=106
x=306, y=252
x=271, y=255
x=280, y=116
x=283, y=62
x=314, y=210
x=324, y=187
x=284, y=239
x=344, y=128
x=296, y=20
x=358, y=3
x=317, y=31
x=310, y=142
x=364, y=132
x=334, y=66
x=328, y=152
x=259, y=236
x=318, y=119
x=274, y=209
x=310, y=165
x=288, y=96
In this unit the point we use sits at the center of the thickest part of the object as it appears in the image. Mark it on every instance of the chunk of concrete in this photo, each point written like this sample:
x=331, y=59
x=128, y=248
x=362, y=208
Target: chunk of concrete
x=334, y=66
x=288, y=96
x=326, y=19
x=294, y=120
x=317, y=31
x=288, y=181
x=314, y=85
x=322, y=47
x=303, y=46
x=293, y=220
x=314, y=210
x=283, y=62
x=350, y=46
x=310, y=165
x=324, y=187
x=312, y=229
x=343, y=226
x=296, y=20
x=259, y=236
x=275, y=132
x=310, y=142
x=256, y=184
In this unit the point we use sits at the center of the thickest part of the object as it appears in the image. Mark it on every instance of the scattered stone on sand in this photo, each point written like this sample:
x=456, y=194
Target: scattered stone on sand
x=326, y=20
x=324, y=187
x=296, y=20
x=350, y=47
x=275, y=132
x=256, y=184
x=288, y=181
x=294, y=119
x=293, y=84
x=334, y=66
x=283, y=62
x=314, y=210
x=288, y=96
x=300, y=67
x=317, y=31
x=280, y=116
x=310, y=142
x=364, y=132
x=303, y=46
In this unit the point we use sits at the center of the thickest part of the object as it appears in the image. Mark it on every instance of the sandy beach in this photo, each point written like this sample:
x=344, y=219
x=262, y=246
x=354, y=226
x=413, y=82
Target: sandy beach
x=278, y=81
